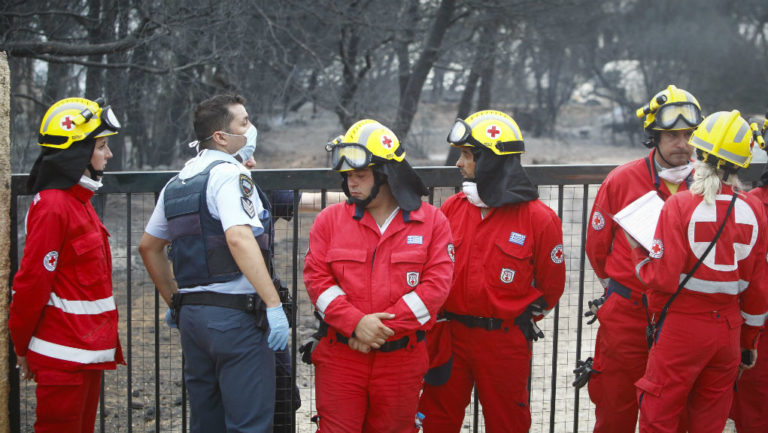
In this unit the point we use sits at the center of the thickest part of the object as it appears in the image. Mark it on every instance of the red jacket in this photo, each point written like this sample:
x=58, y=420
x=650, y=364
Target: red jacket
x=62, y=314
x=733, y=276
x=610, y=255
x=351, y=269
x=506, y=260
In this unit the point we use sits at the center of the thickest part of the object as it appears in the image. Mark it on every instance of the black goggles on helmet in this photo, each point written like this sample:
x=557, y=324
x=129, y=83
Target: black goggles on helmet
x=461, y=135
x=350, y=156
x=669, y=114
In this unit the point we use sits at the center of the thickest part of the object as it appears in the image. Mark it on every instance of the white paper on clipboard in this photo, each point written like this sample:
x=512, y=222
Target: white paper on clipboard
x=639, y=218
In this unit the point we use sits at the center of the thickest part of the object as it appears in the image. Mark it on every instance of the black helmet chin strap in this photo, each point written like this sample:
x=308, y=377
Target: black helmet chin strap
x=360, y=204
x=95, y=174
x=661, y=155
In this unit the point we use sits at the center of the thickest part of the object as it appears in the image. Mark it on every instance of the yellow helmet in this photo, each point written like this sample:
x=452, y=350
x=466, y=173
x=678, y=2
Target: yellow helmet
x=364, y=144
x=726, y=136
x=75, y=119
x=488, y=128
x=671, y=109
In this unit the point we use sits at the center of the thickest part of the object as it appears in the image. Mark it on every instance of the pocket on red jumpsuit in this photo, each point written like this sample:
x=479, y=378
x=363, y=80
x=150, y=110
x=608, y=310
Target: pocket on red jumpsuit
x=56, y=392
x=510, y=269
x=406, y=272
x=91, y=261
x=647, y=386
x=348, y=267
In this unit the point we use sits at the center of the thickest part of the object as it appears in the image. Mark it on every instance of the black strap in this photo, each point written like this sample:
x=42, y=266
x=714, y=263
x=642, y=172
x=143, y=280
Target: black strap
x=664, y=310
x=249, y=303
x=487, y=323
x=389, y=346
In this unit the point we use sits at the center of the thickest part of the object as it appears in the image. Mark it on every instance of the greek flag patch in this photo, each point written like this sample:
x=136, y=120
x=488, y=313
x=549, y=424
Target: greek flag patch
x=415, y=240
x=517, y=238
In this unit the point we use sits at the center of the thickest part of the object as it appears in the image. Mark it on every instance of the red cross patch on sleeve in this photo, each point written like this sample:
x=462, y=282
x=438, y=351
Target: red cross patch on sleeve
x=657, y=249
x=557, y=254
x=598, y=222
x=51, y=260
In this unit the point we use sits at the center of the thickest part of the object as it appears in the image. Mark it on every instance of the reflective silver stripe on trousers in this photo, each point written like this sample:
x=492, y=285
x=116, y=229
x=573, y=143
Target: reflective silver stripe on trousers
x=417, y=307
x=325, y=298
x=71, y=354
x=82, y=307
x=712, y=287
x=754, y=319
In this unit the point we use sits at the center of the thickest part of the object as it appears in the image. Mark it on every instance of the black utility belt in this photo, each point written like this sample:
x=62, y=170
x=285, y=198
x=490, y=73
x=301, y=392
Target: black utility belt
x=389, y=346
x=250, y=303
x=487, y=323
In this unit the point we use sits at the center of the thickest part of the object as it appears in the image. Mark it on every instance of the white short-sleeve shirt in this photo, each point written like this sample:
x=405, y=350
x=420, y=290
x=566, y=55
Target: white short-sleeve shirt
x=223, y=196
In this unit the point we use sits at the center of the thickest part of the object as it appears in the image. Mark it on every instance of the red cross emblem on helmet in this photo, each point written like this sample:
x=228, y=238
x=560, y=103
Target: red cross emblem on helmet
x=493, y=132
x=66, y=123
x=386, y=141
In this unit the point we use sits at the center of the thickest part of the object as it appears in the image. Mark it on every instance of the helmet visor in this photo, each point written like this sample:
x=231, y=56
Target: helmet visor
x=349, y=156
x=669, y=114
x=459, y=133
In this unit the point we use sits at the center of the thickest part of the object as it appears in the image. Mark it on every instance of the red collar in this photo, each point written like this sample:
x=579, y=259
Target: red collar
x=80, y=193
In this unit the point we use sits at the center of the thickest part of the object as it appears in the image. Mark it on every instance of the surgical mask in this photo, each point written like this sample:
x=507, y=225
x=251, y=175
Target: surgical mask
x=245, y=153
x=470, y=190
x=677, y=174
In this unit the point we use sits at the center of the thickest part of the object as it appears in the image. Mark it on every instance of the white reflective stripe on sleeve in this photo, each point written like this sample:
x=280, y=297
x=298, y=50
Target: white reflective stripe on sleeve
x=71, y=354
x=417, y=307
x=754, y=319
x=712, y=287
x=545, y=312
x=637, y=269
x=325, y=298
x=82, y=307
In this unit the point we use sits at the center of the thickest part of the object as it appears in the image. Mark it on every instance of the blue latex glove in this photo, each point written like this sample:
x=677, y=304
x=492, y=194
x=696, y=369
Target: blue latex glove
x=169, y=319
x=278, y=328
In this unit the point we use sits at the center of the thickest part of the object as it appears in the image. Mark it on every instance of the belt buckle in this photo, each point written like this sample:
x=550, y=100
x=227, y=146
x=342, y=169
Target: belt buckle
x=495, y=323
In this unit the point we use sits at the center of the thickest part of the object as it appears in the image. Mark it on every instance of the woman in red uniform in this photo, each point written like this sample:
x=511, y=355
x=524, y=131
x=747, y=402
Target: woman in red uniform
x=716, y=233
x=63, y=319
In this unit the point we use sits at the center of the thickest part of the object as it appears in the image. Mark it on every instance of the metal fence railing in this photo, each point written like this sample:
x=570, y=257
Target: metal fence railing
x=148, y=394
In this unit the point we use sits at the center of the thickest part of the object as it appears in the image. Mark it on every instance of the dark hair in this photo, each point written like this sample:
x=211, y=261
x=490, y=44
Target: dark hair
x=213, y=115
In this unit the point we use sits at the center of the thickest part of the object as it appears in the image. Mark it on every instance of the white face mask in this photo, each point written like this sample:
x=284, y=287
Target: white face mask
x=470, y=190
x=677, y=174
x=246, y=151
x=88, y=183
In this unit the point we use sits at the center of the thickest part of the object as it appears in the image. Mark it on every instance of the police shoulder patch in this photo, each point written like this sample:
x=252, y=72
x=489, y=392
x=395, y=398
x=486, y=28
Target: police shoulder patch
x=246, y=185
x=598, y=221
x=657, y=249
x=247, y=205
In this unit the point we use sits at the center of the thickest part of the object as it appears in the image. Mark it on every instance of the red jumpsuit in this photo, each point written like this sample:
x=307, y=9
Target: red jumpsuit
x=62, y=316
x=351, y=269
x=693, y=363
x=750, y=402
x=504, y=261
x=621, y=350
